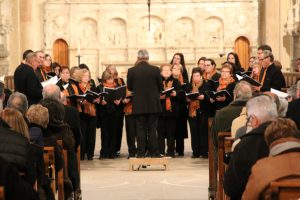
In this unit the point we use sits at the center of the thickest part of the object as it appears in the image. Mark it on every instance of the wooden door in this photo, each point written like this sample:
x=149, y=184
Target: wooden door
x=61, y=52
x=242, y=48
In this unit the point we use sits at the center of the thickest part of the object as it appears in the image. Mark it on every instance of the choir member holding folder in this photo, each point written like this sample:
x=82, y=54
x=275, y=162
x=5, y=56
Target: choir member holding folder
x=181, y=131
x=108, y=112
x=199, y=110
x=68, y=86
x=226, y=82
x=167, y=119
x=87, y=111
x=120, y=113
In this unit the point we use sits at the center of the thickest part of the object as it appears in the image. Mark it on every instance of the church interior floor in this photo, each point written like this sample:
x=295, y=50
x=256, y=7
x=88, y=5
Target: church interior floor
x=185, y=179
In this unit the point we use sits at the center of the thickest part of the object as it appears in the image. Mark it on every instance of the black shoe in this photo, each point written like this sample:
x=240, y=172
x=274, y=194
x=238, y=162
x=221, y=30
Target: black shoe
x=157, y=155
x=195, y=156
x=90, y=158
x=140, y=155
x=170, y=155
x=180, y=154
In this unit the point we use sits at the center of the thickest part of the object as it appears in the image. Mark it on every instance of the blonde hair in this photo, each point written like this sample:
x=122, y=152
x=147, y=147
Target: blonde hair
x=106, y=75
x=80, y=73
x=38, y=114
x=179, y=65
x=16, y=121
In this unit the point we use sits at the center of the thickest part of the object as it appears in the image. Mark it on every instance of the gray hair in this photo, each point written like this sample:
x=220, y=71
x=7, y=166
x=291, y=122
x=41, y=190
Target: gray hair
x=283, y=106
x=30, y=57
x=256, y=62
x=268, y=53
x=143, y=54
x=22, y=107
x=51, y=91
x=242, y=90
x=263, y=107
x=292, y=91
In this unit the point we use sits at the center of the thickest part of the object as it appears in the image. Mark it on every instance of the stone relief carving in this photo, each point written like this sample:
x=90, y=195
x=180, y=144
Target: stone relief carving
x=91, y=60
x=184, y=29
x=88, y=33
x=156, y=34
x=116, y=34
x=214, y=31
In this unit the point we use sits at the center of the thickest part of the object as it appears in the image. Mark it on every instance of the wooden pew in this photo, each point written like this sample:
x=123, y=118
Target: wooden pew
x=211, y=184
x=221, y=167
x=49, y=161
x=2, y=194
x=285, y=189
x=60, y=174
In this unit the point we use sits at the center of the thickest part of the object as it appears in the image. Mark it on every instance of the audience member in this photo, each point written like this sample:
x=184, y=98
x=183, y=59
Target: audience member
x=261, y=110
x=293, y=111
x=283, y=140
x=18, y=101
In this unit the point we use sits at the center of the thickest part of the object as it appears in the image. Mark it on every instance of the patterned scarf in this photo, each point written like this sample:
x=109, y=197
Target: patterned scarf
x=88, y=108
x=168, y=84
x=207, y=76
x=128, y=107
x=194, y=105
x=224, y=82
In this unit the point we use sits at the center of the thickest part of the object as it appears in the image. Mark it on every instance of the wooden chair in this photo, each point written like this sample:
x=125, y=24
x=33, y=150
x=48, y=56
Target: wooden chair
x=211, y=185
x=285, y=189
x=49, y=161
x=291, y=78
x=2, y=194
x=9, y=82
x=60, y=174
x=221, y=166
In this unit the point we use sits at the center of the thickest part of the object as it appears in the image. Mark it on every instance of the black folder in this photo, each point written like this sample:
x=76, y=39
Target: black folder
x=214, y=95
x=89, y=97
x=244, y=73
x=192, y=95
x=115, y=93
x=96, y=95
x=249, y=80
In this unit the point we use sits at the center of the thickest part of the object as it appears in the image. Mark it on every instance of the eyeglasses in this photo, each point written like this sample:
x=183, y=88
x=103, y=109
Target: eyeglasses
x=266, y=57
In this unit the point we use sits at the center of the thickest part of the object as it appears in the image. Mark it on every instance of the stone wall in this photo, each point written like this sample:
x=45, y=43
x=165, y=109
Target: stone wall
x=113, y=31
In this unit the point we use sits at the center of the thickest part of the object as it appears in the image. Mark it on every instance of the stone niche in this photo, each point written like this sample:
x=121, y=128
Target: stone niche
x=112, y=31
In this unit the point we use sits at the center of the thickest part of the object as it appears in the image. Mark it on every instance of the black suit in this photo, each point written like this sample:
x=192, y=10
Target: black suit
x=27, y=83
x=145, y=81
x=72, y=118
x=273, y=79
x=293, y=111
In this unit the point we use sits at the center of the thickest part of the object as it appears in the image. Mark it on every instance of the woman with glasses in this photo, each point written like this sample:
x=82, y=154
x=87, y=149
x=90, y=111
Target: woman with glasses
x=226, y=82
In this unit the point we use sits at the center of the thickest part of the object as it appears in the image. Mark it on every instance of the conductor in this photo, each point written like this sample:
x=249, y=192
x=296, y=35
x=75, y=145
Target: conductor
x=145, y=81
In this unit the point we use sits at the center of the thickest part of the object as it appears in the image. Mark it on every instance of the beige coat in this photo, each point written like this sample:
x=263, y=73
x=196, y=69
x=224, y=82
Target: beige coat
x=239, y=122
x=270, y=169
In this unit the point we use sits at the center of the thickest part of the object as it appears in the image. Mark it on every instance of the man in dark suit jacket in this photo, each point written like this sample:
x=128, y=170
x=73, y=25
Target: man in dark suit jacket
x=271, y=76
x=293, y=111
x=145, y=81
x=26, y=81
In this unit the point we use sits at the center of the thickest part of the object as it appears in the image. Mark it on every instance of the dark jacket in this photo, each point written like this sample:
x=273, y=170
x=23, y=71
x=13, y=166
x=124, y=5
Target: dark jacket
x=36, y=134
x=14, y=186
x=273, y=79
x=221, y=104
x=293, y=111
x=27, y=83
x=14, y=147
x=73, y=120
x=174, y=100
x=144, y=80
x=251, y=148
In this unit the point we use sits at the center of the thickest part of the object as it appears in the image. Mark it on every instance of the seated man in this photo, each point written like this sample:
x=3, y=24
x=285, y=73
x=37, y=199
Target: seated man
x=261, y=110
x=224, y=117
x=283, y=139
